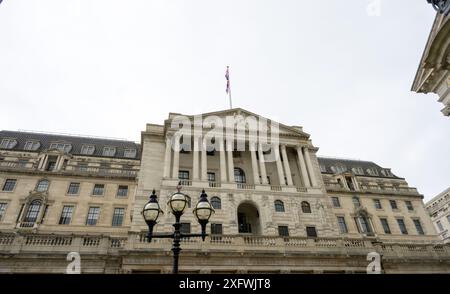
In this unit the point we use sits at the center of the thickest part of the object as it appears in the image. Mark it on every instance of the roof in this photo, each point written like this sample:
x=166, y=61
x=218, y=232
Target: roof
x=359, y=167
x=76, y=141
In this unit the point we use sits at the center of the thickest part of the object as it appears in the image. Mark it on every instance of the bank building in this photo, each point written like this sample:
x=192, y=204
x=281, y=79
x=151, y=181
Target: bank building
x=297, y=213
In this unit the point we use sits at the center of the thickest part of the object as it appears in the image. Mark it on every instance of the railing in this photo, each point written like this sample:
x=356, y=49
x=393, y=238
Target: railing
x=15, y=164
x=275, y=188
x=302, y=189
x=185, y=182
x=245, y=186
x=372, y=188
x=101, y=170
x=214, y=185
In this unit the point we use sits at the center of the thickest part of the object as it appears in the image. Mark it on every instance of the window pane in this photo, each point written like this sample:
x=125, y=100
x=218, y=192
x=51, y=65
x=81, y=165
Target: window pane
x=402, y=226
x=311, y=231
x=306, y=208
x=9, y=185
x=283, y=231
x=42, y=186
x=118, y=217
x=342, y=225
x=409, y=205
x=216, y=229
x=336, y=202
x=32, y=212
x=419, y=227
x=216, y=203
x=73, y=188
x=393, y=204
x=279, y=206
x=185, y=228
x=2, y=210
x=122, y=191
x=98, y=189
x=92, y=216
x=66, y=215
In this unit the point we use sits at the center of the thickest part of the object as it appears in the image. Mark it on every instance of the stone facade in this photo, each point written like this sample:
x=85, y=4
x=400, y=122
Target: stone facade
x=433, y=73
x=291, y=213
x=439, y=210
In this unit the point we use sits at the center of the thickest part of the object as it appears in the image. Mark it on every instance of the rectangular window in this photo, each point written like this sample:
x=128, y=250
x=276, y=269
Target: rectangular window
x=129, y=153
x=342, y=225
x=99, y=189
x=336, y=202
x=402, y=226
x=118, y=215
x=211, y=177
x=66, y=215
x=216, y=229
x=109, y=151
x=9, y=185
x=2, y=210
x=185, y=228
x=385, y=225
x=283, y=231
x=183, y=175
x=311, y=232
x=122, y=191
x=393, y=204
x=92, y=217
x=87, y=149
x=363, y=224
x=440, y=226
x=409, y=205
x=419, y=228
x=377, y=203
x=74, y=188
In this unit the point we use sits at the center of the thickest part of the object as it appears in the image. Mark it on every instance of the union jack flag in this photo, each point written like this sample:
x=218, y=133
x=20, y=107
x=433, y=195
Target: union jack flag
x=227, y=76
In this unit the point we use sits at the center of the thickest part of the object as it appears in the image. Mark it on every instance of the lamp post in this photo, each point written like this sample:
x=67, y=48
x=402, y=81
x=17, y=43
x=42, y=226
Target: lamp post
x=441, y=6
x=177, y=203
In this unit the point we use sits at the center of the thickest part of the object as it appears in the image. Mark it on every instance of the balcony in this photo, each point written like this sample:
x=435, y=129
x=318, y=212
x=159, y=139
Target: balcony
x=371, y=188
x=100, y=171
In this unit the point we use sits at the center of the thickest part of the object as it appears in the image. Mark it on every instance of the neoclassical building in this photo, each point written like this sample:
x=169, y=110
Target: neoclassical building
x=433, y=74
x=439, y=210
x=278, y=207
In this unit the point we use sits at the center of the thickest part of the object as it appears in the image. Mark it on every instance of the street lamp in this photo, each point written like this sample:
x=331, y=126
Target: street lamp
x=177, y=203
x=441, y=6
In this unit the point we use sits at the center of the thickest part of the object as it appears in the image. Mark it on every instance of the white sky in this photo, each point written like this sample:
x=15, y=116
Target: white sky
x=109, y=67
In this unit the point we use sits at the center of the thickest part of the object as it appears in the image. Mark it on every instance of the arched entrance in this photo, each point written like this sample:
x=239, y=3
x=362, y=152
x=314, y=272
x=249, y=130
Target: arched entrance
x=248, y=219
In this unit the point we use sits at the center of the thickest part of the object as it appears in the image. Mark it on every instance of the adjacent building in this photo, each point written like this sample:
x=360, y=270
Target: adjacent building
x=439, y=210
x=278, y=206
x=433, y=74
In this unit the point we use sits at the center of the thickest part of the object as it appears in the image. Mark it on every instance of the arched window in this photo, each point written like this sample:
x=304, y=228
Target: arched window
x=306, y=208
x=279, y=206
x=42, y=186
x=33, y=211
x=239, y=175
x=356, y=201
x=216, y=203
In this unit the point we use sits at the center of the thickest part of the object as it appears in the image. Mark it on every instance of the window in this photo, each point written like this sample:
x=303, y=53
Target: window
x=393, y=204
x=8, y=143
x=122, y=191
x=109, y=151
x=118, y=215
x=283, y=231
x=419, y=228
x=216, y=229
x=66, y=215
x=9, y=185
x=183, y=175
x=239, y=176
x=440, y=226
x=32, y=145
x=129, y=153
x=92, y=217
x=216, y=203
x=342, y=225
x=385, y=225
x=409, y=205
x=363, y=224
x=185, y=228
x=23, y=162
x=42, y=186
x=357, y=170
x=98, y=189
x=323, y=168
x=356, y=201
x=372, y=171
x=311, y=232
x=335, y=201
x=87, y=149
x=402, y=226
x=64, y=147
x=51, y=163
x=2, y=210
x=306, y=208
x=74, y=188
x=32, y=212
x=387, y=173
x=377, y=203
x=279, y=206
x=211, y=177
x=82, y=167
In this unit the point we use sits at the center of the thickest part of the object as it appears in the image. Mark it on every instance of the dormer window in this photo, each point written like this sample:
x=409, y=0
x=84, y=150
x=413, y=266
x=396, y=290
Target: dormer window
x=87, y=149
x=386, y=173
x=64, y=147
x=32, y=145
x=338, y=169
x=323, y=168
x=372, y=171
x=109, y=151
x=358, y=171
x=8, y=143
x=129, y=153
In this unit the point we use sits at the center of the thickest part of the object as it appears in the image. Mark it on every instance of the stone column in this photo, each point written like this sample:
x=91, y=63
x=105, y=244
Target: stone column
x=252, y=149
x=287, y=168
x=276, y=148
x=262, y=165
x=176, y=158
x=204, y=161
x=230, y=162
x=301, y=163
x=167, y=158
x=223, y=163
x=195, y=166
x=310, y=168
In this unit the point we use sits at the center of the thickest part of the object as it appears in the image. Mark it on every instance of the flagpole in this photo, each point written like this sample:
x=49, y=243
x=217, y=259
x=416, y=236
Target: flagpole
x=227, y=76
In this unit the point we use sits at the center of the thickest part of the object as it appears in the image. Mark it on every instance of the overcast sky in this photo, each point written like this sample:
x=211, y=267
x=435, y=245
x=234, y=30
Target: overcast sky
x=109, y=67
